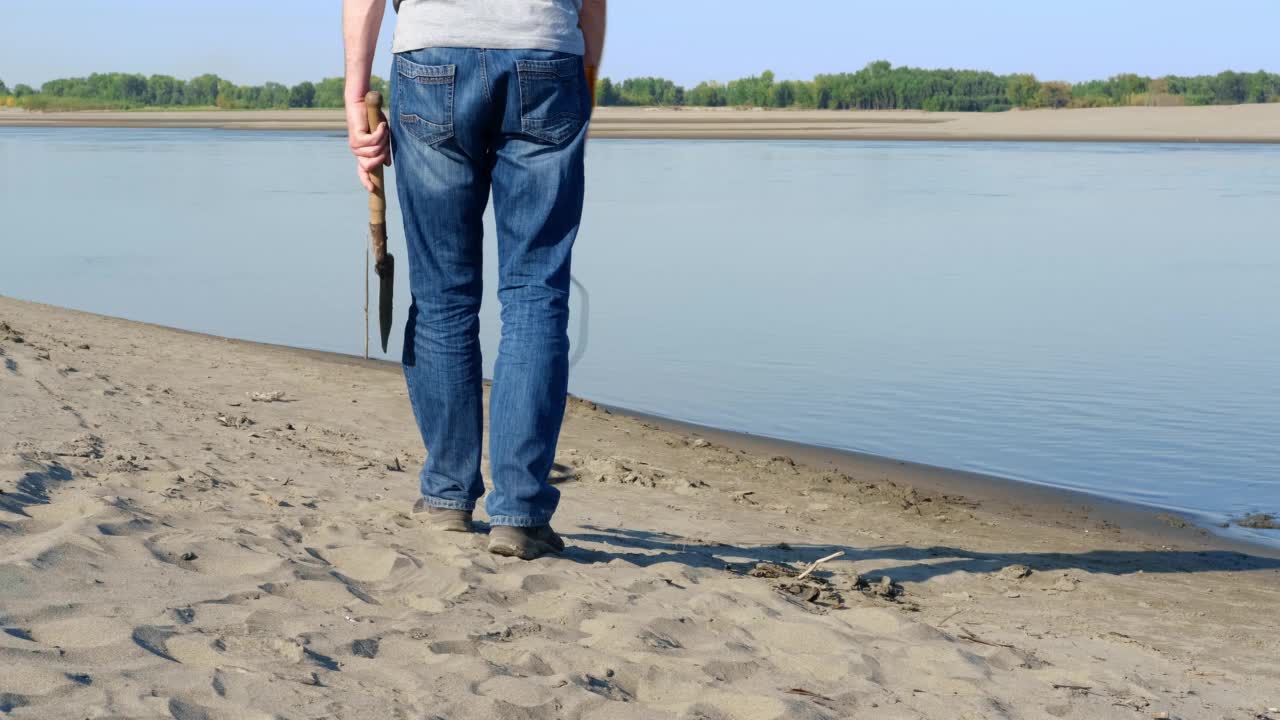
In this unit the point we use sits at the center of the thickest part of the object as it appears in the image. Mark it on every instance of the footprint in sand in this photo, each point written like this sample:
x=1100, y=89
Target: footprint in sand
x=541, y=583
x=433, y=587
x=218, y=558
x=194, y=650
x=249, y=650
x=134, y=526
x=366, y=563
x=154, y=639
x=731, y=671
x=69, y=508
x=516, y=691
x=522, y=661
x=315, y=594
x=81, y=632
x=454, y=647
x=35, y=682
x=182, y=710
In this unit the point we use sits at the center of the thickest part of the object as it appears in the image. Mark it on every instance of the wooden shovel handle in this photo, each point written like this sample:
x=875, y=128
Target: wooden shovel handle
x=377, y=198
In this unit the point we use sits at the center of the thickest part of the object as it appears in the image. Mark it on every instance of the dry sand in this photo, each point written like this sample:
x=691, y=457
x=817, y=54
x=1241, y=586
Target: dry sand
x=172, y=548
x=1235, y=123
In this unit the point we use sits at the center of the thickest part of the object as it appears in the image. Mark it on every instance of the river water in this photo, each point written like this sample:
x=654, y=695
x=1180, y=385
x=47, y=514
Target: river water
x=1102, y=317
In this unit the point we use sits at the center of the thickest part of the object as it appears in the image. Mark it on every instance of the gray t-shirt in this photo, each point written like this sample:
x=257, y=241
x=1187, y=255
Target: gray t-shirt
x=506, y=24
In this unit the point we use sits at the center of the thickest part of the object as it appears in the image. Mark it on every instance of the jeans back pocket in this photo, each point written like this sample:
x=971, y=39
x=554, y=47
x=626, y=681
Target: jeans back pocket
x=424, y=99
x=552, y=104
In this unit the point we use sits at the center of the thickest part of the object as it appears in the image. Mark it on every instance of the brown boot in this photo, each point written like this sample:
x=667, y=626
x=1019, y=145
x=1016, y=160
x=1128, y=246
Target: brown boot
x=443, y=519
x=524, y=543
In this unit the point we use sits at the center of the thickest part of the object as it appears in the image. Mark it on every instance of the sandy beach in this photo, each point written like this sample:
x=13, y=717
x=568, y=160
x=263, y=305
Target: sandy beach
x=1228, y=123
x=194, y=527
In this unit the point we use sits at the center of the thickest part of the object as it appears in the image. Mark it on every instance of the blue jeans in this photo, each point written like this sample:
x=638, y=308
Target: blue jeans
x=464, y=121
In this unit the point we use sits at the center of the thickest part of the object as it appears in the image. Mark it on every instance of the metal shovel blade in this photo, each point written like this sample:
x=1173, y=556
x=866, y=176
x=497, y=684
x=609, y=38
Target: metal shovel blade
x=386, y=270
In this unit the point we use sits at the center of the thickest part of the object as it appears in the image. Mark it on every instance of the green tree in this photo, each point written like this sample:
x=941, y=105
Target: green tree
x=202, y=90
x=4, y=89
x=707, y=94
x=253, y=97
x=130, y=89
x=753, y=91
x=62, y=87
x=1054, y=95
x=1022, y=90
x=227, y=96
x=765, y=89
x=1124, y=88
x=804, y=95
x=1261, y=87
x=165, y=90
x=1230, y=88
x=651, y=91
x=22, y=90
x=782, y=95
x=303, y=95
x=607, y=93
x=329, y=93
x=275, y=95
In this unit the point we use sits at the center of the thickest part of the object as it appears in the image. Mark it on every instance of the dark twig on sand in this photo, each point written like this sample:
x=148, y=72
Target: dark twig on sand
x=807, y=693
x=965, y=634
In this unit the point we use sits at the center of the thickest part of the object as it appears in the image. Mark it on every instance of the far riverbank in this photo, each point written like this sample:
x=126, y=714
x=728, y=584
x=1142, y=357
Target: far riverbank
x=1214, y=124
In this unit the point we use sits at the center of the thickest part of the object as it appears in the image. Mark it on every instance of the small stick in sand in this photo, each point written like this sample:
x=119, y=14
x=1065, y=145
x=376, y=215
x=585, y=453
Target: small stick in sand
x=818, y=562
x=965, y=634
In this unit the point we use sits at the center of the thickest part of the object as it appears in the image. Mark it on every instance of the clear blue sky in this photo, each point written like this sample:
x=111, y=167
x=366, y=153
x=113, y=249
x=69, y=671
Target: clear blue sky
x=251, y=41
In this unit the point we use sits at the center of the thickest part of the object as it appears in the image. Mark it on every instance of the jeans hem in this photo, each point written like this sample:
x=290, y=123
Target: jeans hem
x=520, y=521
x=448, y=504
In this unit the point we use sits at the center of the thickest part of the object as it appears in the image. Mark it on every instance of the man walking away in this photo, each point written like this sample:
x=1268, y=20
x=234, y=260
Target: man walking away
x=486, y=95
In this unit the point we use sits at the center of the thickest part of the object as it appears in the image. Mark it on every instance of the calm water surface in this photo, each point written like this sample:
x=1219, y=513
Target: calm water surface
x=1098, y=317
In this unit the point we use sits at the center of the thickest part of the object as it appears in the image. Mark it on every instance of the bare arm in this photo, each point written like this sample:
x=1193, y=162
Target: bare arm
x=592, y=21
x=361, y=21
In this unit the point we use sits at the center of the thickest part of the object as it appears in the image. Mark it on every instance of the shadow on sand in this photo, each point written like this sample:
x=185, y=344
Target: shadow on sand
x=33, y=488
x=908, y=564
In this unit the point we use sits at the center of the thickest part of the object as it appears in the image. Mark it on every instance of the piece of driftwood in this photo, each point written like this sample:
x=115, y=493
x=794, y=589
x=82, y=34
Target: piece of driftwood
x=818, y=562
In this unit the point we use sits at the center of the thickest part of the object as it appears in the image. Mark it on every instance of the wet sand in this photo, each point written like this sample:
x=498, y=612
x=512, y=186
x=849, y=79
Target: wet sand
x=171, y=546
x=1218, y=124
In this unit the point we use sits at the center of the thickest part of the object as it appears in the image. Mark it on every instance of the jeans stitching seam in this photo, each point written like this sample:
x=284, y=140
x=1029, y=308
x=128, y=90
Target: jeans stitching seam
x=448, y=504
x=520, y=520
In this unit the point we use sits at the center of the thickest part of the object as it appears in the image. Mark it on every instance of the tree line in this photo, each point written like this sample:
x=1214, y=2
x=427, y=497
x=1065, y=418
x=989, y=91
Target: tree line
x=124, y=91
x=878, y=86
